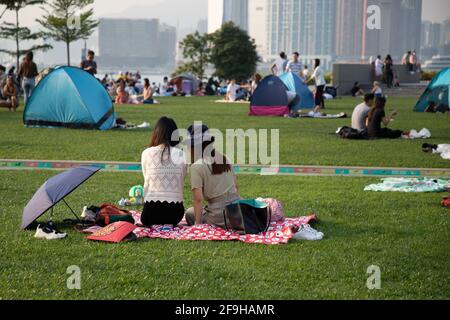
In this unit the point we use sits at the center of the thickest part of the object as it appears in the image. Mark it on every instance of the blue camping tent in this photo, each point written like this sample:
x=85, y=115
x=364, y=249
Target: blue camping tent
x=72, y=98
x=305, y=98
x=437, y=94
x=270, y=98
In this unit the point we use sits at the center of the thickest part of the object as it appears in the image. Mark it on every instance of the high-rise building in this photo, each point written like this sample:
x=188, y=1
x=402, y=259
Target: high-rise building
x=167, y=42
x=400, y=28
x=221, y=11
x=306, y=26
x=317, y=25
x=349, y=28
x=135, y=42
x=202, y=26
x=446, y=32
x=128, y=37
x=257, y=24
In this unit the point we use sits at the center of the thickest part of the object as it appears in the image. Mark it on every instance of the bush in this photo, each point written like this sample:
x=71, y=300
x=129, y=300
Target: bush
x=428, y=75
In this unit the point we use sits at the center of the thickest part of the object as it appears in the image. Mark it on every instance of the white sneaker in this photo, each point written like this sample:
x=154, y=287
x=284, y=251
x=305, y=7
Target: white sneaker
x=307, y=233
x=48, y=234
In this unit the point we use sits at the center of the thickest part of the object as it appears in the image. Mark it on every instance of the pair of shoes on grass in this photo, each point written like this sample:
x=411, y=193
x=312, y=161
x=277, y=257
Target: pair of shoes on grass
x=306, y=232
x=49, y=232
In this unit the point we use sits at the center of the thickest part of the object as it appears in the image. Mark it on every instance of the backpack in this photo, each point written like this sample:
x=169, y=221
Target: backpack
x=276, y=209
x=352, y=134
x=247, y=217
x=109, y=214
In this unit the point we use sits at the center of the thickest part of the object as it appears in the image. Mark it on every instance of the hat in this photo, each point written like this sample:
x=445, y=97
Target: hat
x=197, y=135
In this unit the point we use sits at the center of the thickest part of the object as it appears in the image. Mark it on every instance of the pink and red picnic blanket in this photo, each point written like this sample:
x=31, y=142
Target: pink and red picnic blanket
x=278, y=232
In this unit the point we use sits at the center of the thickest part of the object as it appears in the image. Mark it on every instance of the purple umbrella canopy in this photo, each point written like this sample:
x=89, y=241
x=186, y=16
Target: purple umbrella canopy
x=53, y=191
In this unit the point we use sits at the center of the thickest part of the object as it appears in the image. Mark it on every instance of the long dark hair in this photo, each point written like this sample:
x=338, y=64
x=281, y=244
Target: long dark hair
x=380, y=102
x=146, y=82
x=316, y=63
x=162, y=135
x=216, y=168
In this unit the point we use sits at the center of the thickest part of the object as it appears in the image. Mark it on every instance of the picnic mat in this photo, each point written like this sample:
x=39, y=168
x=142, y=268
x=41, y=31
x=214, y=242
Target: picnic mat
x=410, y=185
x=278, y=232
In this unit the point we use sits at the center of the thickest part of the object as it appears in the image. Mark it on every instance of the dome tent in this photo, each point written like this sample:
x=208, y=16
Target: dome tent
x=437, y=92
x=269, y=98
x=305, y=98
x=70, y=97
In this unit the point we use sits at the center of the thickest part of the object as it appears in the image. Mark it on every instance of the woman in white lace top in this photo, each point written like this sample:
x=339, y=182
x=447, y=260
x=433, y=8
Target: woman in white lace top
x=164, y=169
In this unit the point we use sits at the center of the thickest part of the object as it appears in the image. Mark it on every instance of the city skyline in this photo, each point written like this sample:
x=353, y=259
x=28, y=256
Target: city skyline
x=319, y=36
x=188, y=15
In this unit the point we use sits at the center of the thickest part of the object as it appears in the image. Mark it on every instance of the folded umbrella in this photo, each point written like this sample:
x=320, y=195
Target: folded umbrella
x=55, y=190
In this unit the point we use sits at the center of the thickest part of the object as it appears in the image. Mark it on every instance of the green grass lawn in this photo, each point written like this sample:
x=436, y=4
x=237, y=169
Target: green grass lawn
x=406, y=235
x=302, y=141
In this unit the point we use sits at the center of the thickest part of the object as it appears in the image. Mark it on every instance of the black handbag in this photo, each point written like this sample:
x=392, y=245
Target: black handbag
x=243, y=218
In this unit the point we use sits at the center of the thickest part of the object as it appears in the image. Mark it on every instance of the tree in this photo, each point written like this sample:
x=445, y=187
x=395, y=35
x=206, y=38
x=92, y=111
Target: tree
x=234, y=53
x=63, y=21
x=16, y=33
x=197, y=49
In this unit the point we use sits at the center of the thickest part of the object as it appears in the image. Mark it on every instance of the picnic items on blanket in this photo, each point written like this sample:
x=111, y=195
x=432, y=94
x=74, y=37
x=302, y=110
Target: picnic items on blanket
x=445, y=202
x=115, y=232
x=278, y=232
x=276, y=209
x=247, y=216
x=442, y=149
x=109, y=213
x=55, y=190
x=136, y=197
x=410, y=185
x=123, y=124
x=351, y=133
x=413, y=134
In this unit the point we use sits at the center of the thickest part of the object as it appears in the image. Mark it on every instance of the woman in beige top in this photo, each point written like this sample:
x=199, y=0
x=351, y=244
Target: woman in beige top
x=212, y=180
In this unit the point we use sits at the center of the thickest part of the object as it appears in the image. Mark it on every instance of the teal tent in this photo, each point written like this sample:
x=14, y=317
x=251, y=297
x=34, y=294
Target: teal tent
x=70, y=97
x=305, y=98
x=437, y=94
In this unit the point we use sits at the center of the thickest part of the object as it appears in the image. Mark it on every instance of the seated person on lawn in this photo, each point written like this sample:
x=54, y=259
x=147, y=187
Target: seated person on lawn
x=212, y=180
x=164, y=168
x=377, y=116
x=9, y=93
x=361, y=111
x=122, y=96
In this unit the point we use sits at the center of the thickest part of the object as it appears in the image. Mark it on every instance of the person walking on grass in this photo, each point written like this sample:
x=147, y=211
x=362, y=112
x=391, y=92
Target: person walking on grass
x=280, y=64
x=319, y=80
x=164, y=168
x=27, y=73
x=294, y=66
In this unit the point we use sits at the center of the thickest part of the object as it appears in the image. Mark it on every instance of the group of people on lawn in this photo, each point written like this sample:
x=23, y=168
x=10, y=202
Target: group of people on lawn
x=164, y=167
x=370, y=120
x=281, y=65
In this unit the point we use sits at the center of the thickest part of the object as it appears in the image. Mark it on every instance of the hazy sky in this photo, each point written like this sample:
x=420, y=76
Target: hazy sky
x=186, y=13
